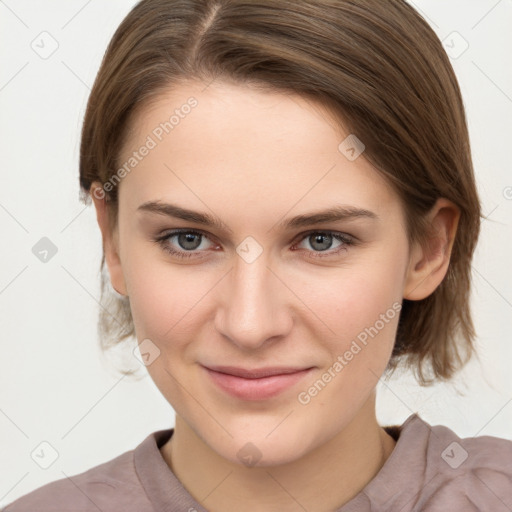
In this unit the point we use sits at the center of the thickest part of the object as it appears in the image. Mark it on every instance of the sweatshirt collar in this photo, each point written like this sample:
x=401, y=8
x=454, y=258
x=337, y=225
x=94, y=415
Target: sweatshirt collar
x=408, y=459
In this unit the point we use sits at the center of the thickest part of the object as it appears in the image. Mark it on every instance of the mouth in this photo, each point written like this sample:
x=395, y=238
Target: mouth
x=255, y=384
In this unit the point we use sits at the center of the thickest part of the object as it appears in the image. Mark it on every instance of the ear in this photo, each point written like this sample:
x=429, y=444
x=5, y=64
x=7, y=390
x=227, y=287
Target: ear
x=428, y=265
x=110, y=239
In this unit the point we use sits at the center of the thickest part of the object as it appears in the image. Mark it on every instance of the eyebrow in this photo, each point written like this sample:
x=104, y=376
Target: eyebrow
x=333, y=214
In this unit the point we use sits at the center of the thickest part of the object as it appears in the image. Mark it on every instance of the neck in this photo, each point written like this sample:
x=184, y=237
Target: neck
x=323, y=480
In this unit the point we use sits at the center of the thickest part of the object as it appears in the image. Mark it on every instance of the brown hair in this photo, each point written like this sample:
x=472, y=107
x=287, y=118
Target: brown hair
x=378, y=66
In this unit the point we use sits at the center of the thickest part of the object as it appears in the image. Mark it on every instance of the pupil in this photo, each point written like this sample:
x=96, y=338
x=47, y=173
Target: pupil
x=319, y=238
x=187, y=241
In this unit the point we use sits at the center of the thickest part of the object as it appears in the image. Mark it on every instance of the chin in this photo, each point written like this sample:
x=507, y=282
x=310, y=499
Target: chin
x=262, y=447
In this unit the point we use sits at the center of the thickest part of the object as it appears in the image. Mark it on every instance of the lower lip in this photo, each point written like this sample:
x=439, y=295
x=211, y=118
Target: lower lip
x=256, y=389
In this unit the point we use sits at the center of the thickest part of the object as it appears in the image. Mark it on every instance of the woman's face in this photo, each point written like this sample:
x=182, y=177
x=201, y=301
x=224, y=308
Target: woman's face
x=262, y=286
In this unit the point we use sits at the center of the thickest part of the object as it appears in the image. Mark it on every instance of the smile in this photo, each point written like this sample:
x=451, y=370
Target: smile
x=253, y=387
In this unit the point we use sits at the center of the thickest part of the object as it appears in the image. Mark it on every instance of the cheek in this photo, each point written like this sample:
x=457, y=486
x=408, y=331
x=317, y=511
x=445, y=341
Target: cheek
x=360, y=305
x=351, y=298
x=363, y=309
x=167, y=300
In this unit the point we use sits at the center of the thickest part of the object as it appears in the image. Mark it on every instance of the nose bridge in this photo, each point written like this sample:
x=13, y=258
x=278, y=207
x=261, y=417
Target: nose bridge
x=252, y=312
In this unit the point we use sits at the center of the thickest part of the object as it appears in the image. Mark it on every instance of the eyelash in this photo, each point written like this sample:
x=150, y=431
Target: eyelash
x=346, y=239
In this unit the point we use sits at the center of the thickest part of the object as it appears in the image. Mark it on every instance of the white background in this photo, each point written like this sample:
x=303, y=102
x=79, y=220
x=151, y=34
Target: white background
x=55, y=386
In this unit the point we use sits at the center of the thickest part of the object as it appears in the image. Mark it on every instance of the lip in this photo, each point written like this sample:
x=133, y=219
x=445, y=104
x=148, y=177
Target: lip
x=255, y=384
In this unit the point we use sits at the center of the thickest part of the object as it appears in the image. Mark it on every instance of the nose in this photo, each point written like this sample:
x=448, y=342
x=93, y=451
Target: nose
x=254, y=309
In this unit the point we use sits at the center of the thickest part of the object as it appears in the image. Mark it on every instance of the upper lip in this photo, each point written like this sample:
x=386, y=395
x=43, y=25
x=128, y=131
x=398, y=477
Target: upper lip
x=257, y=372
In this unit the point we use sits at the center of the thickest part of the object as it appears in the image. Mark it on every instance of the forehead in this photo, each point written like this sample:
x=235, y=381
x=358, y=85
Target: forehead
x=238, y=147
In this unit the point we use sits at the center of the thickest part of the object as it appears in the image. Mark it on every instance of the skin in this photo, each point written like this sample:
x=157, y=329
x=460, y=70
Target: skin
x=254, y=158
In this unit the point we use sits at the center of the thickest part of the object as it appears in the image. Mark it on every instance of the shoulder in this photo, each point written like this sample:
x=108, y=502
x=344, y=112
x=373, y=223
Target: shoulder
x=112, y=485
x=467, y=474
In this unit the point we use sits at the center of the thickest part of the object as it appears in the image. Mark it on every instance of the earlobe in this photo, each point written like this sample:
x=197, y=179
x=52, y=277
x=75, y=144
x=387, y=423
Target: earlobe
x=429, y=263
x=109, y=240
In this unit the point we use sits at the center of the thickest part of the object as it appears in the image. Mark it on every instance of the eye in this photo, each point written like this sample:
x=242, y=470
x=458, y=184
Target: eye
x=187, y=239
x=322, y=241
x=189, y=243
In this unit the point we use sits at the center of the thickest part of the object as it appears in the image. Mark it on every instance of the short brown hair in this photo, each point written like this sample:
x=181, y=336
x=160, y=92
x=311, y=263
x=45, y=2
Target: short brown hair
x=378, y=66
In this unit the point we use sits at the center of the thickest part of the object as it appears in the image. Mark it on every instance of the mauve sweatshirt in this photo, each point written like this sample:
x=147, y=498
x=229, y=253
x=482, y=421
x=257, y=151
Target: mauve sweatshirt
x=430, y=469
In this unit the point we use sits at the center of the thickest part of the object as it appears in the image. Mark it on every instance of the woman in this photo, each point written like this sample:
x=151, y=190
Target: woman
x=288, y=210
